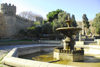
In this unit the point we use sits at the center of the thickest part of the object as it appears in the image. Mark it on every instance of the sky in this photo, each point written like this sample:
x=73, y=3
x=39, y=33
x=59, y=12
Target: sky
x=43, y=7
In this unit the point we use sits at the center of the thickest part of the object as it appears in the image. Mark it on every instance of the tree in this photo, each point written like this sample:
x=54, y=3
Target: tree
x=60, y=22
x=96, y=23
x=34, y=31
x=86, y=23
x=37, y=23
x=28, y=15
x=74, y=24
x=22, y=33
x=62, y=17
x=44, y=21
x=46, y=28
x=53, y=15
x=39, y=19
x=31, y=16
x=55, y=24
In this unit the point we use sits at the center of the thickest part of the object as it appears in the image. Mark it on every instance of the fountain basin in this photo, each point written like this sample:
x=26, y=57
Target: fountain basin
x=69, y=31
x=13, y=59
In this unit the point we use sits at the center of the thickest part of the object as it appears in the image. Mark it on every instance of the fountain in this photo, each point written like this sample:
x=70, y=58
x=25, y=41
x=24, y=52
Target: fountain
x=68, y=51
x=40, y=55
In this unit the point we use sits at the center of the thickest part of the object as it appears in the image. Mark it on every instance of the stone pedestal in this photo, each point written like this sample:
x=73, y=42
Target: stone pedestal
x=76, y=55
x=61, y=54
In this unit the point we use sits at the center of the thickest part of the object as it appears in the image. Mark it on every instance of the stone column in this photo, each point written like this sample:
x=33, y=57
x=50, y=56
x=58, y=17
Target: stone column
x=83, y=31
x=65, y=45
x=80, y=37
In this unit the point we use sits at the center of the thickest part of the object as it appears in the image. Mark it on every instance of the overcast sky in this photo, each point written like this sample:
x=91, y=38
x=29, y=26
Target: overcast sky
x=42, y=7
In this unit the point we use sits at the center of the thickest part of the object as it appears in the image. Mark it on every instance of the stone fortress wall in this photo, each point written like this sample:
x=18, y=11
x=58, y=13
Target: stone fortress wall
x=12, y=23
x=22, y=23
x=8, y=9
x=2, y=26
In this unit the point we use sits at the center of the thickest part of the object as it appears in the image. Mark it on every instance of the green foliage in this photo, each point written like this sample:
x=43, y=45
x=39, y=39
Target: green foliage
x=53, y=15
x=55, y=24
x=62, y=18
x=85, y=21
x=60, y=22
x=37, y=23
x=55, y=19
x=47, y=28
x=23, y=32
x=98, y=30
x=44, y=21
x=96, y=23
x=31, y=28
x=34, y=31
x=58, y=19
x=88, y=32
x=74, y=24
x=38, y=30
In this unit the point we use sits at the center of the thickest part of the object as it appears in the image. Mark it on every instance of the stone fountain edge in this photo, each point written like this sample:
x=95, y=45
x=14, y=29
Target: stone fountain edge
x=12, y=59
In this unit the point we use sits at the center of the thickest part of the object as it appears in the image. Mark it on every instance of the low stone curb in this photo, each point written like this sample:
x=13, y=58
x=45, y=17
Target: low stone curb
x=13, y=60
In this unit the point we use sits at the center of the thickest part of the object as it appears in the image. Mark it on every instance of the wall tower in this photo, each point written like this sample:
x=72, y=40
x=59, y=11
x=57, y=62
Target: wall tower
x=9, y=13
x=8, y=9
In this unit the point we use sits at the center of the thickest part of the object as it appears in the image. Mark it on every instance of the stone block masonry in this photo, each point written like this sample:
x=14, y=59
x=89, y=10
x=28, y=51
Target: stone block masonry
x=76, y=55
x=8, y=9
x=12, y=23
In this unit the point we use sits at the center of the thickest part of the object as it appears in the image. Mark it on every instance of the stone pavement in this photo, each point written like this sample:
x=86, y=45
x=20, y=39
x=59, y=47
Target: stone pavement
x=2, y=54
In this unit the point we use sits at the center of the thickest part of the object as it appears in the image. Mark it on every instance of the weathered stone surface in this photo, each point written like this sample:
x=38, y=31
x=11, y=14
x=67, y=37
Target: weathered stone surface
x=77, y=55
x=13, y=60
x=10, y=23
x=2, y=26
